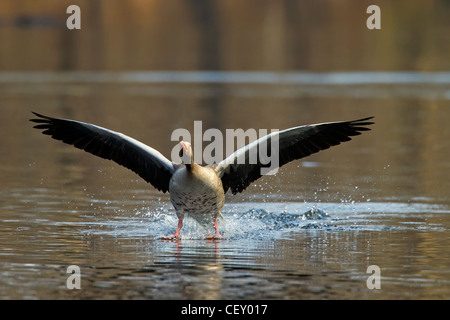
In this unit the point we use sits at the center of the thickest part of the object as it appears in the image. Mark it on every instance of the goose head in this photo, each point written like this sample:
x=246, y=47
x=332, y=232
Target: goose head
x=185, y=153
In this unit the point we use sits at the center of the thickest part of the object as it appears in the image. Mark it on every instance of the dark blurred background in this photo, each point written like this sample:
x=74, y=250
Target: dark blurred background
x=282, y=35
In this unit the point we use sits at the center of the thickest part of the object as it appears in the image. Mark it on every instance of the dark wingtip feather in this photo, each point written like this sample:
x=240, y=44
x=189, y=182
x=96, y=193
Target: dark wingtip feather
x=44, y=119
x=363, y=122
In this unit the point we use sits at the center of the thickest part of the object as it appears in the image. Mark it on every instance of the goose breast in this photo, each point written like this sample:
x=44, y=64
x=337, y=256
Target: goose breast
x=197, y=192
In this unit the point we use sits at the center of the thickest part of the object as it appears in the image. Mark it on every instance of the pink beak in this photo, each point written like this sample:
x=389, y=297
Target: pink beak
x=185, y=146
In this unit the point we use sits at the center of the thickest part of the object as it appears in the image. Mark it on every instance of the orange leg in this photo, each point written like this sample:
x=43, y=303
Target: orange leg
x=216, y=229
x=176, y=235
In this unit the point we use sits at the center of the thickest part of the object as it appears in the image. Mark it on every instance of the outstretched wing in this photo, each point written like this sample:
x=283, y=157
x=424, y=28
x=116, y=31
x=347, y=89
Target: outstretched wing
x=147, y=162
x=294, y=143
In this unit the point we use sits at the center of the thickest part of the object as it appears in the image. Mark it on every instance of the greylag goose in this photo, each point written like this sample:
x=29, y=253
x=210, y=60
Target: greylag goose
x=194, y=189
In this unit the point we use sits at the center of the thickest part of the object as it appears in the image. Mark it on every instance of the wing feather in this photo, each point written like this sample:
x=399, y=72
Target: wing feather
x=147, y=162
x=294, y=143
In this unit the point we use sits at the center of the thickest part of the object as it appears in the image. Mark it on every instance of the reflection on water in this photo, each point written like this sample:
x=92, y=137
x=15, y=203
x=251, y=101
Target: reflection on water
x=272, y=253
x=418, y=85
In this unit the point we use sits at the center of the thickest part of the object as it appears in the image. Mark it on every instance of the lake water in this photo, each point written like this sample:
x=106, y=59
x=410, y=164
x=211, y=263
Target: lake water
x=385, y=193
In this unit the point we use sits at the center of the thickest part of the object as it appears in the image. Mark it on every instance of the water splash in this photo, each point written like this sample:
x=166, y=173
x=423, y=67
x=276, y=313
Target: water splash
x=270, y=221
x=262, y=224
x=255, y=223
